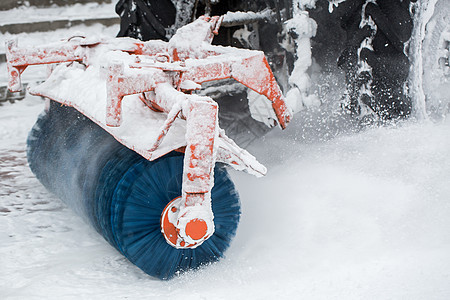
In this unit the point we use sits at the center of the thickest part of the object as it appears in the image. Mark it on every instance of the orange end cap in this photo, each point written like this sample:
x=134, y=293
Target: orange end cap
x=196, y=229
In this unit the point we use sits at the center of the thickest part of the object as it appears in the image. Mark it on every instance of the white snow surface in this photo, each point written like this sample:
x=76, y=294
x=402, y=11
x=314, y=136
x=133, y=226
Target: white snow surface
x=361, y=216
x=78, y=11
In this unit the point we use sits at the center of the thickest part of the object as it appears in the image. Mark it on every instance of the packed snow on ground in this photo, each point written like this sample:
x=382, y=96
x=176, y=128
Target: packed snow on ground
x=78, y=11
x=360, y=216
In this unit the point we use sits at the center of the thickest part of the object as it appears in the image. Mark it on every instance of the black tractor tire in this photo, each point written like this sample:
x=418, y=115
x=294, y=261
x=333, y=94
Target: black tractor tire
x=340, y=32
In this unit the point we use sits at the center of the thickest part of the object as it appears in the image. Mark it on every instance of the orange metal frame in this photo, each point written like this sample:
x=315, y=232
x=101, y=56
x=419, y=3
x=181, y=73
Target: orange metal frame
x=168, y=88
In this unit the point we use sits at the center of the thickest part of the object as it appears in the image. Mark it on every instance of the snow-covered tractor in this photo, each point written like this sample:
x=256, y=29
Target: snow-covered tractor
x=139, y=129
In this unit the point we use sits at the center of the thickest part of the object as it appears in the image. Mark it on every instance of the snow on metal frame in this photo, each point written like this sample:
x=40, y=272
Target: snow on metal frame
x=84, y=87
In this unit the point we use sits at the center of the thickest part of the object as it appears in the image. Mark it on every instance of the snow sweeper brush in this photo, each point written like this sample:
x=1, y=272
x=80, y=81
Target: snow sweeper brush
x=129, y=144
